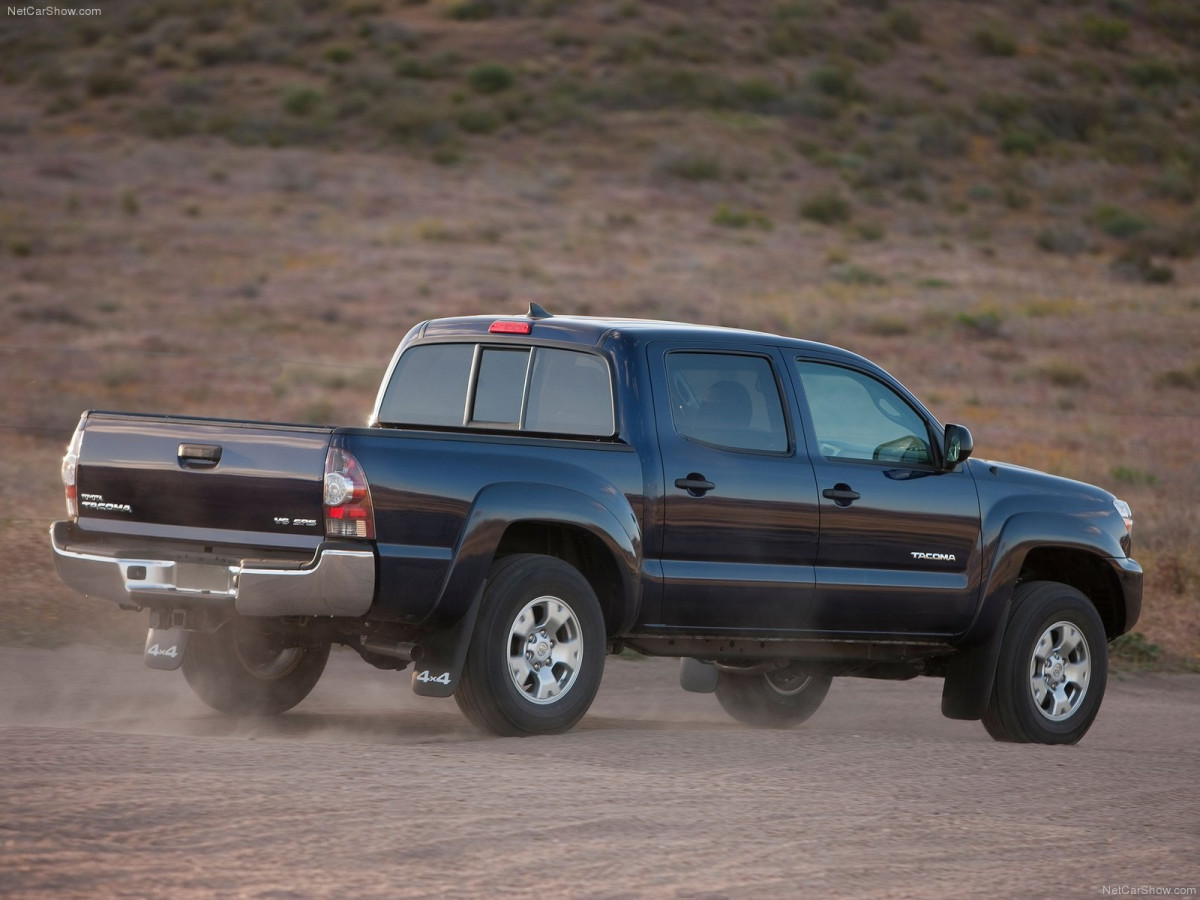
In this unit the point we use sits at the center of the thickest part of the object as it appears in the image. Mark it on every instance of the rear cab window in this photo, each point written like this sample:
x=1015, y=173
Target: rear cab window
x=534, y=389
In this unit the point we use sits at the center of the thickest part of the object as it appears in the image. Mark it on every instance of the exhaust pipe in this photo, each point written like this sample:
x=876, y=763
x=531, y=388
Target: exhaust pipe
x=402, y=650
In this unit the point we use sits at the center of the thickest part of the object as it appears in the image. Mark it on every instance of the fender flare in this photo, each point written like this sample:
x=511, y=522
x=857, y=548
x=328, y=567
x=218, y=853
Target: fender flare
x=495, y=509
x=972, y=670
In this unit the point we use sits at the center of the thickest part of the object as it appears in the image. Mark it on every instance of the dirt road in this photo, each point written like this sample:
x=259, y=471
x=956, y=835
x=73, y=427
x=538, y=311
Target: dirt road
x=114, y=781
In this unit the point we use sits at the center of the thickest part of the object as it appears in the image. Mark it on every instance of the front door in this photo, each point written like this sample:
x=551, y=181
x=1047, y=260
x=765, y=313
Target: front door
x=739, y=507
x=900, y=537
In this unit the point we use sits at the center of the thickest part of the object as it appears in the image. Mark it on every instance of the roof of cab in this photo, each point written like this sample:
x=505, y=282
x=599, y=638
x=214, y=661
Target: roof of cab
x=592, y=330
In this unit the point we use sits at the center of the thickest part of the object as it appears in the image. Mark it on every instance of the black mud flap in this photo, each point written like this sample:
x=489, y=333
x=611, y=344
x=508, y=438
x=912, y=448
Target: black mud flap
x=165, y=647
x=698, y=677
x=969, y=677
x=437, y=672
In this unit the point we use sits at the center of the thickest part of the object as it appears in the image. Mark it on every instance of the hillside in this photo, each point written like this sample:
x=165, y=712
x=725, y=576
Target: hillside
x=237, y=208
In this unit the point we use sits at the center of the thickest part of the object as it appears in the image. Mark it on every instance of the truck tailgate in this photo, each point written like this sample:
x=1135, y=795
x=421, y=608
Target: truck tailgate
x=203, y=479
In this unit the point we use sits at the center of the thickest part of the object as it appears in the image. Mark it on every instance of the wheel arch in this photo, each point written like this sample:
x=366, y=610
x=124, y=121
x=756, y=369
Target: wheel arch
x=1034, y=546
x=584, y=550
x=603, y=543
x=528, y=515
x=1087, y=573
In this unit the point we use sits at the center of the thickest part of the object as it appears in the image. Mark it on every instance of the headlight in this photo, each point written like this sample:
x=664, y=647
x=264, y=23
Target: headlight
x=1126, y=514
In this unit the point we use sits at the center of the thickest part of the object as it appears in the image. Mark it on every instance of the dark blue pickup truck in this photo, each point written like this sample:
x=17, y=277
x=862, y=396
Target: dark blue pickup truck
x=535, y=492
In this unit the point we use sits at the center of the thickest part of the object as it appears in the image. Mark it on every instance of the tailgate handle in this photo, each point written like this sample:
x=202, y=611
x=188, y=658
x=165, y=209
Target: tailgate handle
x=199, y=456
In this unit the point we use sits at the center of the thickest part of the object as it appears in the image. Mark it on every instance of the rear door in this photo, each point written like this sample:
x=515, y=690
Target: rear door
x=739, y=506
x=900, y=538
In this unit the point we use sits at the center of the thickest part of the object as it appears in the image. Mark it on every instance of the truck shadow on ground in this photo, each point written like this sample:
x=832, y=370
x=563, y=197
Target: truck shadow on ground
x=388, y=728
x=369, y=728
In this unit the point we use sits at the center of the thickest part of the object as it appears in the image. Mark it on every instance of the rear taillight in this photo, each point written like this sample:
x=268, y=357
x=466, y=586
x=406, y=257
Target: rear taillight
x=348, y=510
x=70, y=471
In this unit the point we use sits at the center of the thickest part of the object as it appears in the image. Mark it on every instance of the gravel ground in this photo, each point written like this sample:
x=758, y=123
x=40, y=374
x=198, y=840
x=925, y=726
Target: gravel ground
x=116, y=782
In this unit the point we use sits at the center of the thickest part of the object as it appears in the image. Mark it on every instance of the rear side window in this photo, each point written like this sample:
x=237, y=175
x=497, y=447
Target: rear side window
x=536, y=389
x=728, y=400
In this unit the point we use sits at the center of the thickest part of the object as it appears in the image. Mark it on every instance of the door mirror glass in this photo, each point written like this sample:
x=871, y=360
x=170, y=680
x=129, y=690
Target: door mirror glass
x=957, y=447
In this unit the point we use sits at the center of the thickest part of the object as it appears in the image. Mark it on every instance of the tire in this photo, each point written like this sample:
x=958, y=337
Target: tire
x=1052, y=670
x=537, y=653
x=242, y=670
x=777, y=699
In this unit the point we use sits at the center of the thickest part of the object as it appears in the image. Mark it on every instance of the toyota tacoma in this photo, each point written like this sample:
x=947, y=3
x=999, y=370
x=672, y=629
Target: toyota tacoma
x=534, y=492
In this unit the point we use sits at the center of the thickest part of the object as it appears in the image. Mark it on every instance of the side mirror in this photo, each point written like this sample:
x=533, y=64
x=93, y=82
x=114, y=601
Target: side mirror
x=956, y=447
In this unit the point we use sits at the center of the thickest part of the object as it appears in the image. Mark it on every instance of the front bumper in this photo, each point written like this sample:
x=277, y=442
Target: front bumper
x=1129, y=575
x=338, y=581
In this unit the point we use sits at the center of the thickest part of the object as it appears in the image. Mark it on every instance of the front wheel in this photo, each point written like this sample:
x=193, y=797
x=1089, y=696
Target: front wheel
x=537, y=653
x=779, y=698
x=243, y=669
x=1052, y=670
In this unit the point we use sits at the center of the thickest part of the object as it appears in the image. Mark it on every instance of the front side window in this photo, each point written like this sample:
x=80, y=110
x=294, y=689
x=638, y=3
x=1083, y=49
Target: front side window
x=857, y=417
x=726, y=399
x=538, y=389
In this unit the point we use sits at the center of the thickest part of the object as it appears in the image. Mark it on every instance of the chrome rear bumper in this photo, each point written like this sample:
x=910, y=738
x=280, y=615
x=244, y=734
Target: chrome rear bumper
x=337, y=581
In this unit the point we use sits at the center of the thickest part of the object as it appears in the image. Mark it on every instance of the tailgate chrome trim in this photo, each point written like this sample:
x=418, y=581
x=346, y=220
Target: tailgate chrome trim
x=336, y=582
x=124, y=529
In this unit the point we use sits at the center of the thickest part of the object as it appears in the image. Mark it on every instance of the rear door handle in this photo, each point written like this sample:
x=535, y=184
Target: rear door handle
x=695, y=484
x=841, y=494
x=199, y=456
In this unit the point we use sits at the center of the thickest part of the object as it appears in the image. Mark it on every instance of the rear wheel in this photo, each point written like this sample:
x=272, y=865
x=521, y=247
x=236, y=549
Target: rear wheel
x=1052, y=670
x=244, y=669
x=537, y=653
x=779, y=698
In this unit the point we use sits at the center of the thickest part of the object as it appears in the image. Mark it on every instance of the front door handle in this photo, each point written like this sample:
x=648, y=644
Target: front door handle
x=841, y=494
x=695, y=484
